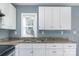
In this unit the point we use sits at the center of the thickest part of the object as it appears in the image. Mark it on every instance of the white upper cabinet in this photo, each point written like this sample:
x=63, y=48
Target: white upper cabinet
x=12, y=15
x=5, y=19
x=65, y=18
x=51, y=18
x=41, y=18
x=9, y=20
x=47, y=18
x=54, y=18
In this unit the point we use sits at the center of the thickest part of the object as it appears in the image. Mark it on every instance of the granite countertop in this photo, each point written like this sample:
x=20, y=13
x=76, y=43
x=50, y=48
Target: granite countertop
x=14, y=41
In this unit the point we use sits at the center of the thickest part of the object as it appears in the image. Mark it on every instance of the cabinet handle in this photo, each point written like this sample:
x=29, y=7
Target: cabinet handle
x=69, y=46
x=54, y=46
x=53, y=51
x=31, y=51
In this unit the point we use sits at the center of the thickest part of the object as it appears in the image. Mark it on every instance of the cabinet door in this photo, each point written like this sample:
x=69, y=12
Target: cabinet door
x=8, y=21
x=51, y=18
x=25, y=52
x=25, y=45
x=47, y=18
x=12, y=16
x=55, y=20
x=38, y=51
x=65, y=18
x=2, y=9
x=70, y=45
x=38, y=45
x=54, y=52
x=69, y=52
x=70, y=49
x=23, y=49
x=41, y=18
x=5, y=21
x=2, y=5
x=54, y=45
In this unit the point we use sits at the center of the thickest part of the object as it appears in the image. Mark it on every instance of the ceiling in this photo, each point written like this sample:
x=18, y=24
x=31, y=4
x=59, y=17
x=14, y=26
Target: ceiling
x=58, y=4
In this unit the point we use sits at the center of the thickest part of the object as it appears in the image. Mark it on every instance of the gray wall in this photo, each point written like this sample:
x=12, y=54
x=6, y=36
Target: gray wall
x=75, y=26
x=4, y=34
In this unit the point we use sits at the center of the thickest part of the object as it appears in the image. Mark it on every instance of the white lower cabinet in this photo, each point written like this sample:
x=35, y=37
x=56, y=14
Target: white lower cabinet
x=54, y=49
x=69, y=49
x=9, y=20
x=69, y=52
x=54, y=45
x=25, y=52
x=39, y=49
x=23, y=49
x=54, y=52
x=16, y=51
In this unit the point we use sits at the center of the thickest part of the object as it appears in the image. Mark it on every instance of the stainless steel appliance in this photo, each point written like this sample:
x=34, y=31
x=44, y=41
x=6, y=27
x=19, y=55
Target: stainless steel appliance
x=7, y=50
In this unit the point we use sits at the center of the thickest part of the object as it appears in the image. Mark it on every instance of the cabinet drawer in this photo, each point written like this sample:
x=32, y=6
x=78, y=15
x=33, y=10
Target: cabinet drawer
x=25, y=52
x=69, y=45
x=54, y=52
x=69, y=52
x=54, y=45
x=38, y=51
x=38, y=45
x=24, y=45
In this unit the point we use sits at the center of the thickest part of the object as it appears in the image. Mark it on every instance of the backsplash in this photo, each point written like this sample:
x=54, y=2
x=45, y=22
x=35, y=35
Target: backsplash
x=4, y=34
x=54, y=33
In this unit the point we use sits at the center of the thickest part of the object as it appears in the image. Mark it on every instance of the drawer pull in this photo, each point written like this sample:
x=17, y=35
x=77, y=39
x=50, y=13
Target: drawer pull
x=53, y=51
x=31, y=52
x=69, y=46
x=54, y=46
